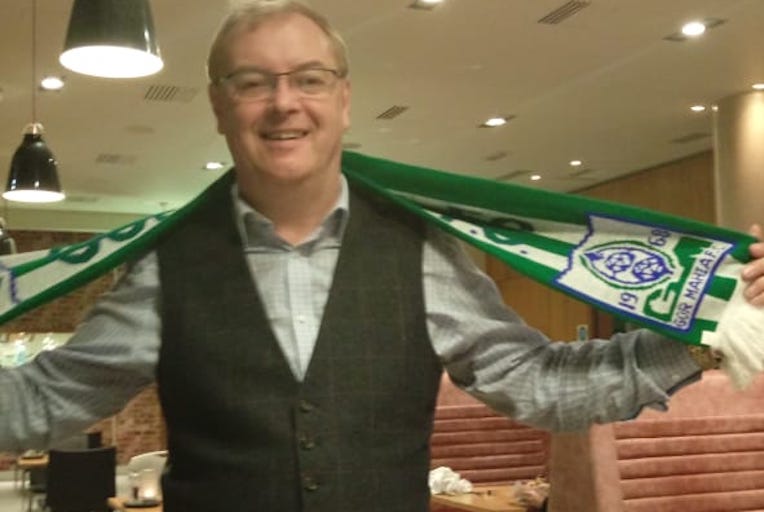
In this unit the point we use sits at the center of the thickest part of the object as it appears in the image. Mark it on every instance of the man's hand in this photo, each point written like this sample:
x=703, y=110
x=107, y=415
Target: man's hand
x=753, y=272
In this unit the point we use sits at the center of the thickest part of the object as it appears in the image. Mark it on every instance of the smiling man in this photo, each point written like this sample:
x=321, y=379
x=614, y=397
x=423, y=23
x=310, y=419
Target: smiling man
x=297, y=327
x=280, y=92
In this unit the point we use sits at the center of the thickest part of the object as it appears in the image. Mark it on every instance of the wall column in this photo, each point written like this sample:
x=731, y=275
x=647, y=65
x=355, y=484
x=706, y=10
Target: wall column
x=739, y=160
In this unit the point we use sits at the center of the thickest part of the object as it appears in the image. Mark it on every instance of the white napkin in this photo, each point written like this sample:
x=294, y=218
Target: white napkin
x=444, y=480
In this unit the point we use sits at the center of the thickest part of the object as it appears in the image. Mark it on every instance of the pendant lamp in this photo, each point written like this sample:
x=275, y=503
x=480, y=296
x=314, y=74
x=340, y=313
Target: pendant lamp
x=111, y=39
x=33, y=176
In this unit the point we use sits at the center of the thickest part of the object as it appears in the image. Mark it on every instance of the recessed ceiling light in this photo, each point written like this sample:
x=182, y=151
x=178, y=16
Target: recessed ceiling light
x=495, y=122
x=213, y=166
x=693, y=28
x=425, y=4
x=576, y=163
x=535, y=177
x=698, y=108
x=52, y=83
x=758, y=87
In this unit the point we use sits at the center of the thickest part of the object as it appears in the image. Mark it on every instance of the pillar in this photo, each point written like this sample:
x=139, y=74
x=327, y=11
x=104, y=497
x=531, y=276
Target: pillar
x=739, y=160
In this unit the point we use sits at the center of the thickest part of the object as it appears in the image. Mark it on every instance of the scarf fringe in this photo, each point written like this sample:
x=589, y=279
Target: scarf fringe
x=739, y=337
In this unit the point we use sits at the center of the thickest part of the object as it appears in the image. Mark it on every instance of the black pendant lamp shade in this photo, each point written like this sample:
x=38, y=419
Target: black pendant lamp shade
x=111, y=38
x=33, y=177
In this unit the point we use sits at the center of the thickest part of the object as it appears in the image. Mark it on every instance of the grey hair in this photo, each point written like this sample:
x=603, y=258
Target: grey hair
x=251, y=13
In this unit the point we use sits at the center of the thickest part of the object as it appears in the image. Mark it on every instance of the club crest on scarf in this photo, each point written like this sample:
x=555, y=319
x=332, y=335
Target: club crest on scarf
x=644, y=271
x=629, y=264
x=7, y=287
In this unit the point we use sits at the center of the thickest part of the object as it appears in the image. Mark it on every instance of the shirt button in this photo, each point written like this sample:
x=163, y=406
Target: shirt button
x=306, y=442
x=309, y=483
x=301, y=319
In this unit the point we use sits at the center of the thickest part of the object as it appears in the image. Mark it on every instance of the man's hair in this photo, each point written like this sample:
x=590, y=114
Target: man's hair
x=249, y=14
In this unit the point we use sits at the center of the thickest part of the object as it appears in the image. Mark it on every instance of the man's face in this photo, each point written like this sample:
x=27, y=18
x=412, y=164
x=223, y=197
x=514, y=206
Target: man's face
x=287, y=137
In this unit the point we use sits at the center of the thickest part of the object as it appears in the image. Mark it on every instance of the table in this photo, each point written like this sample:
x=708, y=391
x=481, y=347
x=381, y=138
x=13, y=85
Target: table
x=22, y=476
x=23, y=466
x=119, y=504
x=483, y=498
x=40, y=461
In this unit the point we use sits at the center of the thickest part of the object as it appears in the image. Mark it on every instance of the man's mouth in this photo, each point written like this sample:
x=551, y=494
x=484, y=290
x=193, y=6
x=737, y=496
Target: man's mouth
x=285, y=135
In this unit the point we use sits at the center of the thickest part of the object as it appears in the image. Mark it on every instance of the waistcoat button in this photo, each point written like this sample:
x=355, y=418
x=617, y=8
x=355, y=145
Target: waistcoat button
x=306, y=406
x=309, y=483
x=306, y=441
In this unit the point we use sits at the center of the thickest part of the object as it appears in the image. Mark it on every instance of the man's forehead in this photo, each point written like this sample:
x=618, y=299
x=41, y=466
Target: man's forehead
x=300, y=26
x=282, y=20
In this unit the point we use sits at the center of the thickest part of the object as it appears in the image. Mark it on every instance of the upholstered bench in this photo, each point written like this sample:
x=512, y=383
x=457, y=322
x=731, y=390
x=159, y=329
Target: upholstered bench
x=481, y=445
x=713, y=463
x=706, y=454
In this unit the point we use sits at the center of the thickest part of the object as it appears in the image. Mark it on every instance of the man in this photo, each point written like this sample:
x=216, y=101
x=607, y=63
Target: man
x=7, y=243
x=298, y=341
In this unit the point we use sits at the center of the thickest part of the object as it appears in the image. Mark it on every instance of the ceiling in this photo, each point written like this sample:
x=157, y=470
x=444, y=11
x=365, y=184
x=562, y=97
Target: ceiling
x=603, y=85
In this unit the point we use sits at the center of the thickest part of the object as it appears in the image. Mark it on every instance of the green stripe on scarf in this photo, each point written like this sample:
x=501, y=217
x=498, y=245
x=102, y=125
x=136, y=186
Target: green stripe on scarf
x=676, y=276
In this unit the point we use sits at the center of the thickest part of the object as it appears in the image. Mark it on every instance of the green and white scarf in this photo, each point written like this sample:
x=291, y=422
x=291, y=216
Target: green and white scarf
x=675, y=276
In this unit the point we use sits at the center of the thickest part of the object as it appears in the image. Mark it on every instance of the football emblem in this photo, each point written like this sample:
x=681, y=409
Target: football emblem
x=628, y=265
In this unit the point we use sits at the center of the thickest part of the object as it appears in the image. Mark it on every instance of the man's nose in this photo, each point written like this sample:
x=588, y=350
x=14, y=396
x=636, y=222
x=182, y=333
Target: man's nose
x=284, y=95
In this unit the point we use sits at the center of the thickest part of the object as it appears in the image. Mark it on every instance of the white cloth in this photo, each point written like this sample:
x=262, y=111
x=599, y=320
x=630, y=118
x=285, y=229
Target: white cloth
x=444, y=480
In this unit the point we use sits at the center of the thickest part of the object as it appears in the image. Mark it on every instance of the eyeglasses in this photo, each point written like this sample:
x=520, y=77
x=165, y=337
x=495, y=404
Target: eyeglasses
x=254, y=84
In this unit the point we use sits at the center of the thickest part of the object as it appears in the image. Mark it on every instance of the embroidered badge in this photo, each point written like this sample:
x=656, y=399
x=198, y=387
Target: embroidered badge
x=644, y=272
x=628, y=265
x=7, y=287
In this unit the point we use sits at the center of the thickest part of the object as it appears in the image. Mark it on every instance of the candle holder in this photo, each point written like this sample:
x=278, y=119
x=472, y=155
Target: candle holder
x=144, y=489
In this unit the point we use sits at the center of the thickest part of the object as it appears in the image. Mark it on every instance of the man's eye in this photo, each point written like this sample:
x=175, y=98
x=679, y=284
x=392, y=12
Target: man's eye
x=310, y=79
x=251, y=82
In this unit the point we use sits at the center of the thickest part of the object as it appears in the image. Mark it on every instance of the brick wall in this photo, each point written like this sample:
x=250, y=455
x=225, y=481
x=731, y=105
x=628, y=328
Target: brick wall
x=139, y=426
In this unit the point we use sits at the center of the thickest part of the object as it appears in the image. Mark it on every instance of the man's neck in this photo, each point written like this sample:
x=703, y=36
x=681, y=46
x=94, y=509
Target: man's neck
x=296, y=209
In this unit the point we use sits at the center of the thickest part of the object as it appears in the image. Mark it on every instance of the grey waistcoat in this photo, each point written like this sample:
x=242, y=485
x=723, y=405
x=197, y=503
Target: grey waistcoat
x=243, y=434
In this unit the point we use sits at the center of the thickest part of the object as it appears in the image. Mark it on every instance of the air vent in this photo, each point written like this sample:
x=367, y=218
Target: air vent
x=676, y=37
x=691, y=137
x=583, y=174
x=392, y=112
x=140, y=129
x=81, y=199
x=564, y=12
x=115, y=159
x=169, y=93
x=514, y=174
x=496, y=156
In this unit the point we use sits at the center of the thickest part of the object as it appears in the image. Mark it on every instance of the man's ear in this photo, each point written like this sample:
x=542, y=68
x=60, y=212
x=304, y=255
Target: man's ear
x=346, y=104
x=216, y=102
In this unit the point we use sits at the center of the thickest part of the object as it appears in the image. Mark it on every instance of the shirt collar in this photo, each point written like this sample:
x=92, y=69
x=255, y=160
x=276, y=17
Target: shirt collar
x=256, y=230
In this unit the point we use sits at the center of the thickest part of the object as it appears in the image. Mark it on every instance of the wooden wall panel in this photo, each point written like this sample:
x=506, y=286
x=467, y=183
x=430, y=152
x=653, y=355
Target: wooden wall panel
x=685, y=188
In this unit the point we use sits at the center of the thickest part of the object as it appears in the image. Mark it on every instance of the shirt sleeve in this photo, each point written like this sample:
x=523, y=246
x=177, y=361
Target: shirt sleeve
x=491, y=353
x=111, y=357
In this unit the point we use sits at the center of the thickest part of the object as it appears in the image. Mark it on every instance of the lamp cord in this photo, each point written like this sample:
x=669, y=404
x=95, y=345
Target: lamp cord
x=34, y=61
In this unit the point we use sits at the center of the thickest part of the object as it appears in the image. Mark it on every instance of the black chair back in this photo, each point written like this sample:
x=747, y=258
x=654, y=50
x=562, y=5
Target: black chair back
x=81, y=480
x=95, y=439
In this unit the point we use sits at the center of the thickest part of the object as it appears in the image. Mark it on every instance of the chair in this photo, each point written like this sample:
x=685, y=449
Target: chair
x=81, y=480
x=94, y=439
x=75, y=442
x=34, y=483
